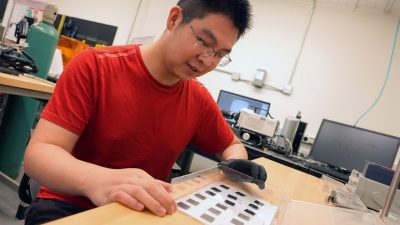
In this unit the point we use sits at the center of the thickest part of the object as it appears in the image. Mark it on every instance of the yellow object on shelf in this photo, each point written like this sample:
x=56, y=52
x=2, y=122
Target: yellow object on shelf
x=70, y=47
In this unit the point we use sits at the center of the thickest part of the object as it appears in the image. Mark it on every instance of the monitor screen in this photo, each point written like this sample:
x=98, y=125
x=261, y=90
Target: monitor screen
x=231, y=102
x=350, y=147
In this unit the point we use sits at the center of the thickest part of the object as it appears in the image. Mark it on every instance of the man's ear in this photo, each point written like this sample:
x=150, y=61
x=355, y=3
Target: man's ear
x=174, y=18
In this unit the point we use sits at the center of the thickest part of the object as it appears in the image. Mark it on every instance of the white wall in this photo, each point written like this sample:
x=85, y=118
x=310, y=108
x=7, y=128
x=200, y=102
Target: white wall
x=340, y=72
x=341, y=69
x=152, y=18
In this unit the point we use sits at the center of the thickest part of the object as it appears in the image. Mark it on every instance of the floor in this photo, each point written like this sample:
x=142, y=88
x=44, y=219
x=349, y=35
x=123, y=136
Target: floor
x=9, y=202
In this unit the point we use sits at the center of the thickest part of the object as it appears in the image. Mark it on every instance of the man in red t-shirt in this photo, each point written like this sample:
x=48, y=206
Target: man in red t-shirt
x=120, y=116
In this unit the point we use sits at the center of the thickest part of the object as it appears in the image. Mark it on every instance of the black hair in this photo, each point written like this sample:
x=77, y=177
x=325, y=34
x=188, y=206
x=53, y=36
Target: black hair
x=239, y=11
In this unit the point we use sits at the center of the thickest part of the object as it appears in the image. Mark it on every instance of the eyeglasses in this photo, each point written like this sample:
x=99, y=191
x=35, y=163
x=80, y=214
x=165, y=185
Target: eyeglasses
x=218, y=58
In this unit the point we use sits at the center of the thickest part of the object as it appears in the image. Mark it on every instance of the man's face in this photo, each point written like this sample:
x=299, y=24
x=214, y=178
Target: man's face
x=196, y=48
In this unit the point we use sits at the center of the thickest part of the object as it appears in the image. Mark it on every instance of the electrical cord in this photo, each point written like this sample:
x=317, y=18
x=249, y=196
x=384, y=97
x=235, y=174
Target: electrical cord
x=269, y=114
x=303, y=42
x=286, y=149
x=386, y=78
x=290, y=148
x=16, y=59
x=265, y=86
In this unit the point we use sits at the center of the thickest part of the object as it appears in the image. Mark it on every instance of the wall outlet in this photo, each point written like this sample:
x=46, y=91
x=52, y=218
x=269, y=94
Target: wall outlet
x=287, y=89
x=235, y=76
x=259, y=78
x=308, y=140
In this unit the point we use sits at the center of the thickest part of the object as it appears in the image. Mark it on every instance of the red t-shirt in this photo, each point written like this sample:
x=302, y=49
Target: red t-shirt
x=127, y=119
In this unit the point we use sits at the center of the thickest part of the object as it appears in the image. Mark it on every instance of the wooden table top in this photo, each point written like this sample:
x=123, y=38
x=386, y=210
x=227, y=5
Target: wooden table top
x=28, y=82
x=282, y=183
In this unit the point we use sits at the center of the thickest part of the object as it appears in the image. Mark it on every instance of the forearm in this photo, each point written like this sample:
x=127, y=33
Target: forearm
x=57, y=169
x=235, y=150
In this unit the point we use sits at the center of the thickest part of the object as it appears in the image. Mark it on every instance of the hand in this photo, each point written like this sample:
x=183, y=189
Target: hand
x=251, y=169
x=132, y=187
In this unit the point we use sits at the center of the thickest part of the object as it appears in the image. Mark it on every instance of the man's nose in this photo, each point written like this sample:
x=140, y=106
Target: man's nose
x=206, y=59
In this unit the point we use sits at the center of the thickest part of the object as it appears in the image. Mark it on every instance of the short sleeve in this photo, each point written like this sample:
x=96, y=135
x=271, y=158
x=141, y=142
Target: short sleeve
x=213, y=133
x=73, y=101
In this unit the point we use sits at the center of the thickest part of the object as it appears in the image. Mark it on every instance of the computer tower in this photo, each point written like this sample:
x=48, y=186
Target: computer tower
x=298, y=137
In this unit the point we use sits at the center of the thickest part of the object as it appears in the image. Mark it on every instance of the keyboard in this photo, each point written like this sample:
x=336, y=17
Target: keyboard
x=329, y=171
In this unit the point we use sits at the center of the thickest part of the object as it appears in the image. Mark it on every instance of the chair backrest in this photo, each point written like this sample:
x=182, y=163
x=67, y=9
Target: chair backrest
x=25, y=191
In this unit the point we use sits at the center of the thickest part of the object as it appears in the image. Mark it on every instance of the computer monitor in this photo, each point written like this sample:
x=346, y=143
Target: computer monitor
x=233, y=103
x=350, y=147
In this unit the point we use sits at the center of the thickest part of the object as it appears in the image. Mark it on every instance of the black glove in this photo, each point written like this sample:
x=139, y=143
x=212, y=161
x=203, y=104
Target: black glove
x=257, y=173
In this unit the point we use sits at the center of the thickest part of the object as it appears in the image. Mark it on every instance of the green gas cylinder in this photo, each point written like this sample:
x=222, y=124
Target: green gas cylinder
x=20, y=111
x=42, y=39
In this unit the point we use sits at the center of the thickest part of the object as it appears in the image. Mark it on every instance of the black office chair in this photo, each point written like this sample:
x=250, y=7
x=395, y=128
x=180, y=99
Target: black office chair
x=181, y=166
x=28, y=188
x=27, y=191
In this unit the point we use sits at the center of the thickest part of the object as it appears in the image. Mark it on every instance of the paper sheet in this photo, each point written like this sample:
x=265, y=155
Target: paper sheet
x=220, y=203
